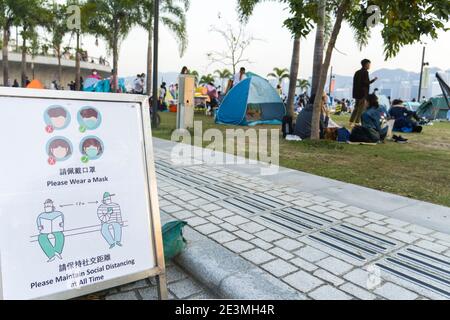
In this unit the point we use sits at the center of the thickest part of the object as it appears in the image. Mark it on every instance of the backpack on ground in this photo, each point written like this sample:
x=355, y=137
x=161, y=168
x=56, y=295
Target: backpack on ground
x=364, y=135
x=343, y=135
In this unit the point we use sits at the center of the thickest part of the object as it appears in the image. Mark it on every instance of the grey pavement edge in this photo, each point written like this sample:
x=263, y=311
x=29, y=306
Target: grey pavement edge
x=227, y=275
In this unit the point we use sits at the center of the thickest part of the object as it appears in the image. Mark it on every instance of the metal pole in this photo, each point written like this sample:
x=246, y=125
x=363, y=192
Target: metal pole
x=155, y=63
x=77, y=64
x=419, y=95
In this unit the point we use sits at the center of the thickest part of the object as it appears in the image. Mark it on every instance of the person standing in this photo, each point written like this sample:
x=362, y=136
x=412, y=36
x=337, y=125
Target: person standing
x=238, y=77
x=138, y=85
x=361, y=89
x=95, y=75
x=16, y=84
x=184, y=70
x=162, y=97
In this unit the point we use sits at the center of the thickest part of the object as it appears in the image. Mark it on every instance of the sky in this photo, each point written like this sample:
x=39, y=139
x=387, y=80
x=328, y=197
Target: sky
x=274, y=49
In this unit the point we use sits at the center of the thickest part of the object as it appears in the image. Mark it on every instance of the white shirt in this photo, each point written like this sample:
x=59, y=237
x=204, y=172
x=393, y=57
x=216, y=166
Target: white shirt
x=139, y=85
x=237, y=78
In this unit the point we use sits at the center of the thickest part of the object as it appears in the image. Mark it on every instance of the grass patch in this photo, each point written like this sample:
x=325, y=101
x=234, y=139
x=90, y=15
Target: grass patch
x=418, y=170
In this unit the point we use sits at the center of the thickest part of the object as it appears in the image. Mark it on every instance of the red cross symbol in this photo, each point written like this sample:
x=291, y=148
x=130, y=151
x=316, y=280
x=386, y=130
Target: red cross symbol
x=49, y=129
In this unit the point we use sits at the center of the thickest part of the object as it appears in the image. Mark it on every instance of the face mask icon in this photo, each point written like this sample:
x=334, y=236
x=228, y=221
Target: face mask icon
x=89, y=119
x=91, y=152
x=91, y=148
x=90, y=123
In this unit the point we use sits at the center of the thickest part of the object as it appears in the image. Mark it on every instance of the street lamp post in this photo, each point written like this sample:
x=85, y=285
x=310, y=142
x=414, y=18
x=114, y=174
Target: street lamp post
x=77, y=64
x=155, y=63
x=419, y=95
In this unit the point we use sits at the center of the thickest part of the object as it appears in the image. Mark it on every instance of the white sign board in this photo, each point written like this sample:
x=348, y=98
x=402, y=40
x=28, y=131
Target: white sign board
x=78, y=200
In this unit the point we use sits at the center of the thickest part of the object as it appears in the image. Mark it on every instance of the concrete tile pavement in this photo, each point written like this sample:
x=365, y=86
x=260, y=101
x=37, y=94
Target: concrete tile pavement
x=180, y=285
x=303, y=234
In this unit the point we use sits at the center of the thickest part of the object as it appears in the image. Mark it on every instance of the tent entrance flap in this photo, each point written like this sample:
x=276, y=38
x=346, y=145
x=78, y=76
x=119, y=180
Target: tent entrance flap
x=264, y=112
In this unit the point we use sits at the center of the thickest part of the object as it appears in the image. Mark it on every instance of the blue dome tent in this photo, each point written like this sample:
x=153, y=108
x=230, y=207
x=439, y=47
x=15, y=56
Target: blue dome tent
x=253, y=101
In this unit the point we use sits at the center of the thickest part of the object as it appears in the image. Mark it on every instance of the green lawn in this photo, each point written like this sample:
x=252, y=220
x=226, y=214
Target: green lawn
x=419, y=170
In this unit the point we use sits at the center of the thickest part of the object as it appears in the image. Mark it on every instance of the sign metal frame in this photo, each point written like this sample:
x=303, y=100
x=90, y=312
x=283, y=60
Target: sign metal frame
x=159, y=271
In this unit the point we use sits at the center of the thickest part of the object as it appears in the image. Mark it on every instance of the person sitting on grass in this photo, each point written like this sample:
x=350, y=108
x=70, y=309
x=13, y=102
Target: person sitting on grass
x=371, y=131
x=304, y=119
x=372, y=118
x=405, y=120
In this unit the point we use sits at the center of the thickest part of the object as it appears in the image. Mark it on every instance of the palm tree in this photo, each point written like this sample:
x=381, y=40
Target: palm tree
x=319, y=44
x=30, y=18
x=300, y=26
x=173, y=16
x=112, y=20
x=280, y=74
x=57, y=25
x=10, y=11
x=340, y=15
x=224, y=74
x=87, y=13
x=209, y=78
x=295, y=65
x=304, y=85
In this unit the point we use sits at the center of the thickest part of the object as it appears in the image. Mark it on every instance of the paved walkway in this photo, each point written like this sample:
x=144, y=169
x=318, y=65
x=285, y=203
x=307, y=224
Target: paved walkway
x=180, y=284
x=321, y=238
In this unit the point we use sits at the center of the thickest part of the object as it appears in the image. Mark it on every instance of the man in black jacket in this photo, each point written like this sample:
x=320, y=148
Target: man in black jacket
x=361, y=88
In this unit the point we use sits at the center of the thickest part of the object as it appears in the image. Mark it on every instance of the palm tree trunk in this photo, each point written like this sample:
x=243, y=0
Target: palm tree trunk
x=295, y=63
x=319, y=46
x=58, y=52
x=315, y=125
x=5, y=61
x=78, y=64
x=24, y=62
x=115, y=65
x=150, y=59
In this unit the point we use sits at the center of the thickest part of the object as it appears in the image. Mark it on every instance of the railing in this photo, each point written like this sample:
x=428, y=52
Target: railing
x=66, y=55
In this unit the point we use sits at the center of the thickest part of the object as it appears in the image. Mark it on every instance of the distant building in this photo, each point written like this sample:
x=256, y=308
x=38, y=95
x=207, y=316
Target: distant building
x=435, y=89
x=386, y=92
x=405, y=90
x=342, y=93
x=45, y=69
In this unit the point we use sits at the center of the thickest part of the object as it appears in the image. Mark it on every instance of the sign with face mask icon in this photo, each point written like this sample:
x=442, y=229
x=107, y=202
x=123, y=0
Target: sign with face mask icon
x=78, y=173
